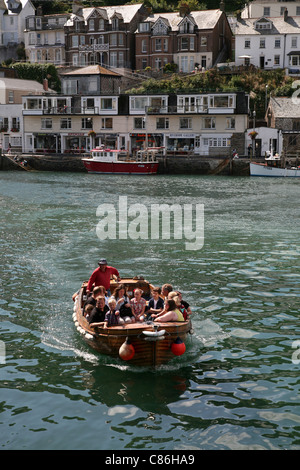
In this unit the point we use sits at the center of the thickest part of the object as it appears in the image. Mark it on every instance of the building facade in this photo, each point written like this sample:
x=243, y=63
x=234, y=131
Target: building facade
x=204, y=123
x=45, y=39
x=103, y=35
x=269, y=43
x=283, y=114
x=187, y=39
x=270, y=9
x=11, y=121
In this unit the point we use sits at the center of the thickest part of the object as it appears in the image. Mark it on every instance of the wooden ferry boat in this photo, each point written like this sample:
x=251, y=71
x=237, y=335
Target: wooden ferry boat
x=106, y=161
x=141, y=343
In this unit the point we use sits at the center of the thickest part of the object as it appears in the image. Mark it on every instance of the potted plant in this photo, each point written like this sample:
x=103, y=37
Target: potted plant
x=253, y=134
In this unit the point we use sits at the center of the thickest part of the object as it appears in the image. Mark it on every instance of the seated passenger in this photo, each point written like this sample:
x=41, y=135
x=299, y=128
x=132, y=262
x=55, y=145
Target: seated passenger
x=138, y=305
x=112, y=317
x=165, y=290
x=123, y=304
x=88, y=310
x=170, y=312
x=92, y=299
x=179, y=303
x=185, y=304
x=155, y=304
x=97, y=315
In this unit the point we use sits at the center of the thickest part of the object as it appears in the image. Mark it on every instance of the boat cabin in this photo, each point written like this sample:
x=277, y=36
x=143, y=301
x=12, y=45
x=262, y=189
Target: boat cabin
x=273, y=161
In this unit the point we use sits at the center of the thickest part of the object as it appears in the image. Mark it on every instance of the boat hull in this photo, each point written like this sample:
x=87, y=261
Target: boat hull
x=148, y=350
x=261, y=169
x=127, y=168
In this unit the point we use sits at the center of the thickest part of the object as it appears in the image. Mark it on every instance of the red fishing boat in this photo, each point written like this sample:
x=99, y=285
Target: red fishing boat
x=142, y=343
x=105, y=161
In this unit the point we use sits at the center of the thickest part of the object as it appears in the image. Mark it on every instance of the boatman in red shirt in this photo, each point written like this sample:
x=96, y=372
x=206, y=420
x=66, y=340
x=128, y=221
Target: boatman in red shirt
x=101, y=276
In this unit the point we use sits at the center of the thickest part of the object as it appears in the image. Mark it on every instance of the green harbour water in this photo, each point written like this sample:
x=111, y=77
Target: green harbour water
x=237, y=385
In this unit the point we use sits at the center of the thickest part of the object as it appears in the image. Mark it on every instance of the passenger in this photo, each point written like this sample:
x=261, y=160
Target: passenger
x=185, y=304
x=98, y=313
x=112, y=317
x=92, y=299
x=101, y=276
x=138, y=305
x=170, y=313
x=179, y=303
x=155, y=304
x=123, y=304
x=87, y=311
x=165, y=290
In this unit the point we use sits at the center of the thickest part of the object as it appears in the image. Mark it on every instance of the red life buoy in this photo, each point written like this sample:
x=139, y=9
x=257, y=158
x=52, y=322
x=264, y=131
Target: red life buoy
x=126, y=351
x=178, y=347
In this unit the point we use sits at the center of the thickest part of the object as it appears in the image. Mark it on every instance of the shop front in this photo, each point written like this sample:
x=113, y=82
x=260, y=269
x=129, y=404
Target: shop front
x=75, y=142
x=180, y=142
x=46, y=143
x=138, y=141
x=109, y=141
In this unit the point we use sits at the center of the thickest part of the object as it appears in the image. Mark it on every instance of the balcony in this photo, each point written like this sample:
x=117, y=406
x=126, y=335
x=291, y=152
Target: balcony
x=61, y=110
x=192, y=109
x=94, y=48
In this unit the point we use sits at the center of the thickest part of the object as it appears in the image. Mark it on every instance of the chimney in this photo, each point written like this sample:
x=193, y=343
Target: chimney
x=184, y=10
x=222, y=5
x=45, y=84
x=286, y=14
x=39, y=10
x=76, y=7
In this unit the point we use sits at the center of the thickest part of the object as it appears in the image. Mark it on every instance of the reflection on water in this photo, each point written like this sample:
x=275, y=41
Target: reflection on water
x=236, y=387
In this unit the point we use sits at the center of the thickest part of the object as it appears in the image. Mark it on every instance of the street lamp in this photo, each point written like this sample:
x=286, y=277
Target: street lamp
x=266, y=98
x=253, y=140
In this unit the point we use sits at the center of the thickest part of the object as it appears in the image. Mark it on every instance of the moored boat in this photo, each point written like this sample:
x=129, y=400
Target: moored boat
x=105, y=161
x=142, y=343
x=273, y=167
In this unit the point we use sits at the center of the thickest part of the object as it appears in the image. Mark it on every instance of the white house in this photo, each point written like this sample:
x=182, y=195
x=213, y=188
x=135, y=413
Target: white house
x=12, y=20
x=11, y=120
x=269, y=43
x=270, y=9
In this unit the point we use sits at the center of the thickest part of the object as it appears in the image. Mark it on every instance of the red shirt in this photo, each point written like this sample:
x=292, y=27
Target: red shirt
x=100, y=278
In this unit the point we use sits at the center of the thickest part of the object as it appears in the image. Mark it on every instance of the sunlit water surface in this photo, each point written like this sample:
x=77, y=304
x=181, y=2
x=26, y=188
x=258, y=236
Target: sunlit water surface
x=237, y=385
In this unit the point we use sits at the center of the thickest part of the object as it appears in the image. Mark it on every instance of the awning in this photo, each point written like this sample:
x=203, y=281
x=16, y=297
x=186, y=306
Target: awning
x=294, y=53
x=245, y=57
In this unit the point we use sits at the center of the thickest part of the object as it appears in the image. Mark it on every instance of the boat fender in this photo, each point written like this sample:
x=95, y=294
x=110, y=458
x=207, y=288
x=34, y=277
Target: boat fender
x=74, y=308
x=76, y=324
x=178, y=347
x=126, y=351
x=88, y=336
x=154, y=333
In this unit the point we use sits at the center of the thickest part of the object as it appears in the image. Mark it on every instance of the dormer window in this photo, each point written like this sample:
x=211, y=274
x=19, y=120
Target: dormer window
x=115, y=24
x=186, y=27
x=92, y=25
x=144, y=27
x=263, y=23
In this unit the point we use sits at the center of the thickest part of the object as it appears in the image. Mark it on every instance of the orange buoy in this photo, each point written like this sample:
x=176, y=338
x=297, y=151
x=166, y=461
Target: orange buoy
x=126, y=351
x=178, y=347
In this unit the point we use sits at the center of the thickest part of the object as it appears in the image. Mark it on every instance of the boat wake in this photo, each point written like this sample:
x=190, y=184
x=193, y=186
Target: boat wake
x=208, y=332
x=59, y=345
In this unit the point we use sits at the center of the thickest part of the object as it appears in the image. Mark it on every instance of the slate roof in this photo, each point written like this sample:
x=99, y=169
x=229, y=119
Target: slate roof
x=92, y=70
x=285, y=107
x=205, y=19
x=127, y=11
x=19, y=84
x=246, y=26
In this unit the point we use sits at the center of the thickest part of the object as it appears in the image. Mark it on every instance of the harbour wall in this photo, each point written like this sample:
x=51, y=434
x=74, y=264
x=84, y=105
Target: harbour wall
x=167, y=165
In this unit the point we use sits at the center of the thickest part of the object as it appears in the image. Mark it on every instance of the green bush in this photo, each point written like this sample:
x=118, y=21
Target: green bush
x=38, y=72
